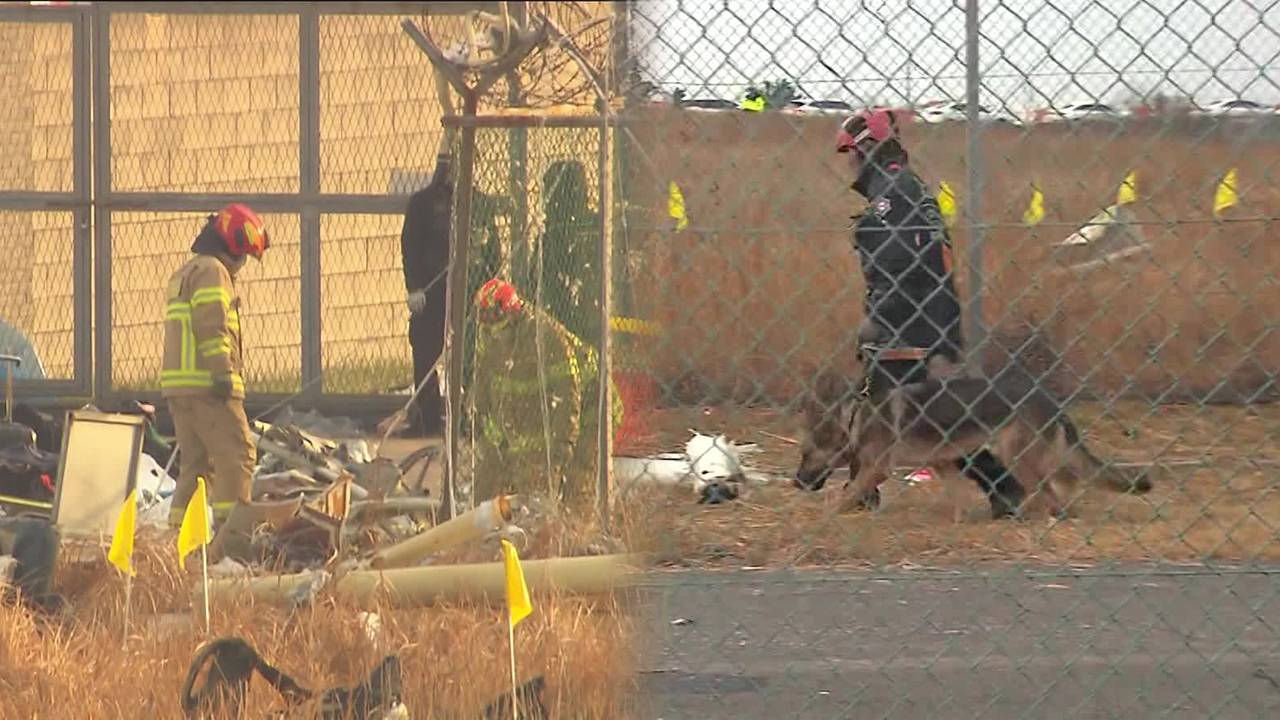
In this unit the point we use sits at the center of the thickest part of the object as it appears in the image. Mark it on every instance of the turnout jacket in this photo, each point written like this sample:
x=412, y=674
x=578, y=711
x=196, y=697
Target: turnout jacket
x=202, y=336
x=905, y=253
x=508, y=396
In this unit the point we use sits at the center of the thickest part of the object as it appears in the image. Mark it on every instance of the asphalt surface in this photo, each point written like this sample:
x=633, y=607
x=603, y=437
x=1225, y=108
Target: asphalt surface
x=1135, y=642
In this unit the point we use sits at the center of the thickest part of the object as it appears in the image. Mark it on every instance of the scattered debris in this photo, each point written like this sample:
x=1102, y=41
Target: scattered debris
x=711, y=464
x=232, y=662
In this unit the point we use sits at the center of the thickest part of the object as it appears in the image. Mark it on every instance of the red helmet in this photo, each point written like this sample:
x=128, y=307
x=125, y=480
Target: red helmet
x=497, y=298
x=242, y=231
x=874, y=124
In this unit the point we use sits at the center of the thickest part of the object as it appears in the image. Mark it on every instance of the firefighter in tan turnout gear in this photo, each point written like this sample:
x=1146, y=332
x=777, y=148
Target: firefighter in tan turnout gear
x=203, y=374
x=508, y=399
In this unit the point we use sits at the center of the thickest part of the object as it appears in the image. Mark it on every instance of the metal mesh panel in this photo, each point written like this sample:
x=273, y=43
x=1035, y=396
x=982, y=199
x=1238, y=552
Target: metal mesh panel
x=363, y=314
x=1099, y=280
x=550, y=349
x=37, y=297
x=190, y=113
x=36, y=65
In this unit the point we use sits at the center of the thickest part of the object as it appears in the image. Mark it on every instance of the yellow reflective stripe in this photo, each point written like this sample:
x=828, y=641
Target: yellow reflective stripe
x=222, y=509
x=216, y=346
x=233, y=320
x=634, y=326
x=514, y=385
x=195, y=378
x=204, y=296
x=188, y=345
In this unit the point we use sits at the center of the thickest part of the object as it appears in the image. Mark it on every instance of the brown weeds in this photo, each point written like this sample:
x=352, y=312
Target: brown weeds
x=454, y=655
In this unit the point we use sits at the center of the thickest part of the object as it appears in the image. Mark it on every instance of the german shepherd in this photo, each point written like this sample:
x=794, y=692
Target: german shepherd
x=938, y=421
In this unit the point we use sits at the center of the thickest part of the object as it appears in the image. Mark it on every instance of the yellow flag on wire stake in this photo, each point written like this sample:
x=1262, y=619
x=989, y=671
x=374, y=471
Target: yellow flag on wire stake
x=947, y=204
x=675, y=206
x=121, y=552
x=1035, y=210
x=1128, y=189
x=517, y=593
x=518, y=608
x=1226, y=196
x=194, y=532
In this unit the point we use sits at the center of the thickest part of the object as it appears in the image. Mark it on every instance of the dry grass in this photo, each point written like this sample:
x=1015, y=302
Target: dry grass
x=764, y=280
x=454, y=656
x=1227, y=512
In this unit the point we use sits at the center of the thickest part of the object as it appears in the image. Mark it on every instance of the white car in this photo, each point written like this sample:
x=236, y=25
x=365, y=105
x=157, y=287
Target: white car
x=818, y=107
x=1077, y=112
x=944, y=111
x=1235, y=108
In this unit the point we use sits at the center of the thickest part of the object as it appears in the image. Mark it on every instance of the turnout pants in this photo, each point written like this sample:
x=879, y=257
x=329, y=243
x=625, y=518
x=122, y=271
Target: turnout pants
x=996, y=481
x=214, y=438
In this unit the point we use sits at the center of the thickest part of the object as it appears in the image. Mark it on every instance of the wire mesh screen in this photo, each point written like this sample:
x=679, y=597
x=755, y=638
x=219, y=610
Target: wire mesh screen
x=1085, y=526
x=531, y=374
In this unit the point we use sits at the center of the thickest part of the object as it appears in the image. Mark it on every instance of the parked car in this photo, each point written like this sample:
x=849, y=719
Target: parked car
x=1078, y=112
x=1234, y=108
x=942, y=111
x=709, y=104
x=818, y=107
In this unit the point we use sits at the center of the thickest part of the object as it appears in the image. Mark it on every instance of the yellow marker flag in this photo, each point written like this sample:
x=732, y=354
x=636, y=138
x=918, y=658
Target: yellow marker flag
x=121, y=552
x=1128, y=190
x=194, y=532
x=1226, y=195
x=675, y=206
x=947, y=204
x=1035, y=210
x=517, y=593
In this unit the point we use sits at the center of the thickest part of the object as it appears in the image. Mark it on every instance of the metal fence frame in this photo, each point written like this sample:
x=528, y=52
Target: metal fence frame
x=93, y=199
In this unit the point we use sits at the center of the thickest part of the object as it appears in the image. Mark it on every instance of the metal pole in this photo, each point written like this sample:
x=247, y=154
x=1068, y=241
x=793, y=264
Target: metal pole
x=102, y=189
x=82, y=162
x=977, y=332
x=605, y=437
x=309, y=181
x=456, y=304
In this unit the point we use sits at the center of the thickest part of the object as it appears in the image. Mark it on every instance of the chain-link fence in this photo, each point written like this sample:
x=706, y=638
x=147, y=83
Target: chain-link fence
x=1104, y=174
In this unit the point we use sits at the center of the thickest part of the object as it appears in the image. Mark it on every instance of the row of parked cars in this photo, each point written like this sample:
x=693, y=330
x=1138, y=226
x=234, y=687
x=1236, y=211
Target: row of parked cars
x=944, y=111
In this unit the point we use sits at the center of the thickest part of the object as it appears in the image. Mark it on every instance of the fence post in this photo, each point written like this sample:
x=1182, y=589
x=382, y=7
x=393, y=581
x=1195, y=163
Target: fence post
x=309, y=185
x=976, y=334
x=82, y=159
x=456, y=303
x=605, y=436
x=102, y=211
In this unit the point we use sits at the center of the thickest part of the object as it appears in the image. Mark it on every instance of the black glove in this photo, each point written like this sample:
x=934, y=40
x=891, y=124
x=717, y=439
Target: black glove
x=222, y=386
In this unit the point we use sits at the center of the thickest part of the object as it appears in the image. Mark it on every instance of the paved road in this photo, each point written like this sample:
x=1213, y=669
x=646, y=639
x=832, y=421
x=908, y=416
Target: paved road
x=1169, y=642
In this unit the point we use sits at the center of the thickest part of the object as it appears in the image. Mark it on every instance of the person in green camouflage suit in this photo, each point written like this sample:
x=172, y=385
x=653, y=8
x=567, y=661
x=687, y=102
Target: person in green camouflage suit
x=511, y=443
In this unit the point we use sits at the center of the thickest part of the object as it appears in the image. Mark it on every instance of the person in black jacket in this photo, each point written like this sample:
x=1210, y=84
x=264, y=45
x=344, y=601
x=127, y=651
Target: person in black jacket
x=424, y=248
x=912, y=309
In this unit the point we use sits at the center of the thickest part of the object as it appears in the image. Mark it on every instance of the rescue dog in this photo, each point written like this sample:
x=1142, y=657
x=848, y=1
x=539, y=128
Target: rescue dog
x=938, y=421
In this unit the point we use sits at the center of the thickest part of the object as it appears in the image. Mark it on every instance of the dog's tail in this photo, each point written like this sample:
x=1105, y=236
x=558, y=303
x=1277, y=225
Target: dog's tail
x=1100, y=473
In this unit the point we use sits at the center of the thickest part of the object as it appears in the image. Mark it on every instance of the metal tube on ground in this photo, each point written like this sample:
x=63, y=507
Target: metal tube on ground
x=595, y=574
x=470, y=525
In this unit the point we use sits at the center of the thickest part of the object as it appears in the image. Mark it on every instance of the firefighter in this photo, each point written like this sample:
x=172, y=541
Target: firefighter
x=203, y=374
x=911, y=309
x=512, y=452
x=424, y=250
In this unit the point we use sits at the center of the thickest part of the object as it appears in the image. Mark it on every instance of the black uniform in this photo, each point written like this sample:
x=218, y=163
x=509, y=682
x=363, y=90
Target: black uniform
x=424, y=249
x=905, y=252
